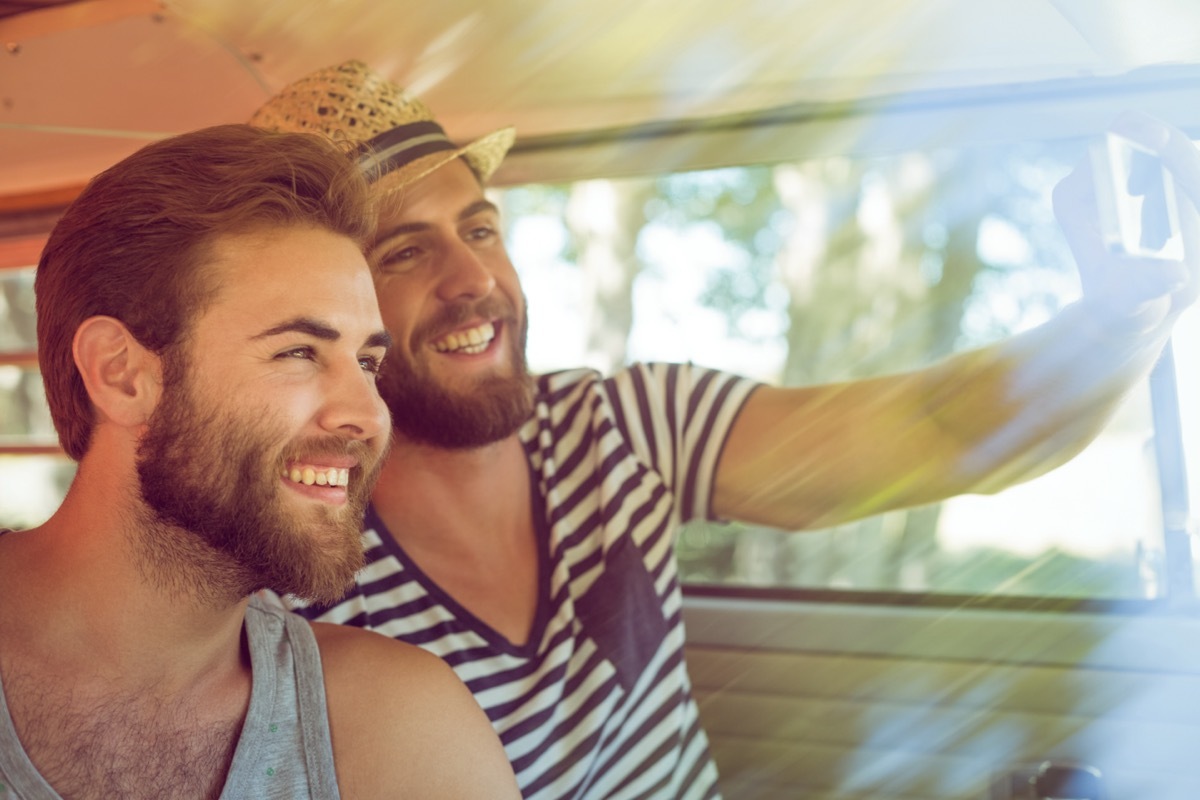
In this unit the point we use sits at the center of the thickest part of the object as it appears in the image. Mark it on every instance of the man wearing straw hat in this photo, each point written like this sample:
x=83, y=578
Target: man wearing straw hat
x=523, y=527
x=209, y=337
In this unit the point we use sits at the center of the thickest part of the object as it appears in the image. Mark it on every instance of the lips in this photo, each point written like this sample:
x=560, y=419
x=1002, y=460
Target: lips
x=469, y=341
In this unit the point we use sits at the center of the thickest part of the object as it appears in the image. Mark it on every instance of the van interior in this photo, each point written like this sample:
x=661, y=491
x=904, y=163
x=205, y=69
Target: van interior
x=793, y=190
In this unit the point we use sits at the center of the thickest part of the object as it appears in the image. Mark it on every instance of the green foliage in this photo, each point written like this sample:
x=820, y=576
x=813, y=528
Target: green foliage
x=537, y=199
x=870, y=265
x=741, y=204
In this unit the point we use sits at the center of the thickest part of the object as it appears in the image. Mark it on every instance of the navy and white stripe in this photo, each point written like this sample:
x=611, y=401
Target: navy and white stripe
x=598, y=703
x=400, y=146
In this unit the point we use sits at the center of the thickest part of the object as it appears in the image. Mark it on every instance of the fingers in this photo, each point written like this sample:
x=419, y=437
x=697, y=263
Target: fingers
x=1125, y=289
x=1151, y=277
x=1181, y=158
x=1178, y=153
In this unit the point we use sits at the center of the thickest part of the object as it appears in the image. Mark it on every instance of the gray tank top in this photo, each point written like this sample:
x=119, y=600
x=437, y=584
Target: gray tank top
x=284, y=751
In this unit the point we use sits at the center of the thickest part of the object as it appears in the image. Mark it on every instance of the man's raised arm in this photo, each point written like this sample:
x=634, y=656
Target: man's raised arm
x=980, y=421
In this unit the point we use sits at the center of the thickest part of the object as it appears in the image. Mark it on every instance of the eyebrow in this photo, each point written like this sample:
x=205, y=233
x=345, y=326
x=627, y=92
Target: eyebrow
x=319, y=330
x=478, y=207
x=379, y=339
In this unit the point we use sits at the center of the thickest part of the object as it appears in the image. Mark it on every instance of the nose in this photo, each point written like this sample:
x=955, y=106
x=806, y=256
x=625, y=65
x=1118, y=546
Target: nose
x=463, y=274
x=353, y=407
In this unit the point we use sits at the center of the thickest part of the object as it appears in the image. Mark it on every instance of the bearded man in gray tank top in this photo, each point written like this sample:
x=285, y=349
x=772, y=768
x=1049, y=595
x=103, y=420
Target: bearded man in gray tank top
x=210, y=340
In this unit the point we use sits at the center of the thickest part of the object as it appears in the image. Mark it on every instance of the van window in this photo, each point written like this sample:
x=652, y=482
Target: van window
x=842, y=267
x=34, y=476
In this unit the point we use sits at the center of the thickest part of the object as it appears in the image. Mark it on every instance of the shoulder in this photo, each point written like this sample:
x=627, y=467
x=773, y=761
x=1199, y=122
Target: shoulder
x=403, y=723
x=551, y=385
x=377, y=678
x=670, y=378
x=348, y=653
x=677, y=395
x=569, y=386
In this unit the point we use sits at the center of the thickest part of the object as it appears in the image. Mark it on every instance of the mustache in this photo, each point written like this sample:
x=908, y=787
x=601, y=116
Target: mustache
x=453, y=316
x=313, y=447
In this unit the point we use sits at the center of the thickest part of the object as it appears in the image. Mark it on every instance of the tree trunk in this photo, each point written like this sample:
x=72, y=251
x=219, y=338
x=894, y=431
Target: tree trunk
x=604, y=218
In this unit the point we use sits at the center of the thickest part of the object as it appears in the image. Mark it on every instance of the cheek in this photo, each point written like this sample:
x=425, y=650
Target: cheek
x=289, y=401
x=399, y=302
x=517, y=298
x=504, y=270
x=507, y=277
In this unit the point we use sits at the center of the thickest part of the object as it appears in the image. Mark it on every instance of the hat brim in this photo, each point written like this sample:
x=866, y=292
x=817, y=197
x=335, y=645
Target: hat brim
x=483, y=156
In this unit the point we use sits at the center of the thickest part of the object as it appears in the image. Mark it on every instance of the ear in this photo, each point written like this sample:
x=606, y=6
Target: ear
x=123, y=378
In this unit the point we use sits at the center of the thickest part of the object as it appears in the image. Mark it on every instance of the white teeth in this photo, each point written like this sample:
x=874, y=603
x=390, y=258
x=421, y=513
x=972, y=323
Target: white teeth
x=472, y=341
x=333, y=476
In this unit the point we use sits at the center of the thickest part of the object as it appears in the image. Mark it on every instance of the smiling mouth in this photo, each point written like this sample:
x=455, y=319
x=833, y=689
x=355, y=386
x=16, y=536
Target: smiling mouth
x=471, y=341
x=317, y=476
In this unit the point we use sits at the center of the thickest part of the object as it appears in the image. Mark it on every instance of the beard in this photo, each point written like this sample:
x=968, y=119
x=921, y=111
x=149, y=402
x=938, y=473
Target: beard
x=494, y=408
x=220, y=526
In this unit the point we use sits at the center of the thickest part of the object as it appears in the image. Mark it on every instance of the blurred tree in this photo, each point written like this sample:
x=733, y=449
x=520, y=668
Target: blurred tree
x=604, y=219
x=21, y=400
x=884, y=264
x=881, y=262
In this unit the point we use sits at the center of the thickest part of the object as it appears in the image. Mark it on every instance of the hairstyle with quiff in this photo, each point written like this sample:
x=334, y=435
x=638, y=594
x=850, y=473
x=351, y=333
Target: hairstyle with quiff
x=133, y=245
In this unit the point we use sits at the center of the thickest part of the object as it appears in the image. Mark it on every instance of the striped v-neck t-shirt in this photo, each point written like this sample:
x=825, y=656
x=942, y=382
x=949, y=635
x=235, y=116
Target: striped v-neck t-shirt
x=598, y=702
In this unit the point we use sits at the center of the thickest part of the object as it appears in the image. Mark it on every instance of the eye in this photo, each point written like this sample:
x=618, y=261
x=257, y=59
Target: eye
x=305, y=352
x=399, y=259
x=481, y=233
x=371, y=364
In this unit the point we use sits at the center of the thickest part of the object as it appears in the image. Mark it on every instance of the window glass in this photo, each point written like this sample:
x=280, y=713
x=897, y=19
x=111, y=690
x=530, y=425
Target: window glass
x=24, y=415
x=17, y=331
x=836, y=269
x=33, y=487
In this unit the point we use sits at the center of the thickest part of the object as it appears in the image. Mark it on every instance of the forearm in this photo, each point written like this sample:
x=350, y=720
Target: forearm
x=818, y=456
x=979, y=421
x=1025, y=406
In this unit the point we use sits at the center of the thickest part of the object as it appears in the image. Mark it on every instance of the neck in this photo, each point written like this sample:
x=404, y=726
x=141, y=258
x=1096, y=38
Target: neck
x=85, y=606
x=417, y=460
x=430, y=491
x=465, y=518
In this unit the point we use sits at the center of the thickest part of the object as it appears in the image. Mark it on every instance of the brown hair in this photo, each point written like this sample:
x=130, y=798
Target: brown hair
x=133, y=244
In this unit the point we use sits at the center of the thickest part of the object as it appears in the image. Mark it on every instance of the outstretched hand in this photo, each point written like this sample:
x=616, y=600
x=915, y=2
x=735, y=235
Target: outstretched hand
x=1126, y=294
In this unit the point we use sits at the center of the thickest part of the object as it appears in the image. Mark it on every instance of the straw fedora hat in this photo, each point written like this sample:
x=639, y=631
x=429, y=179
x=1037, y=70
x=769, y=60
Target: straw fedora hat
x=392, y=135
